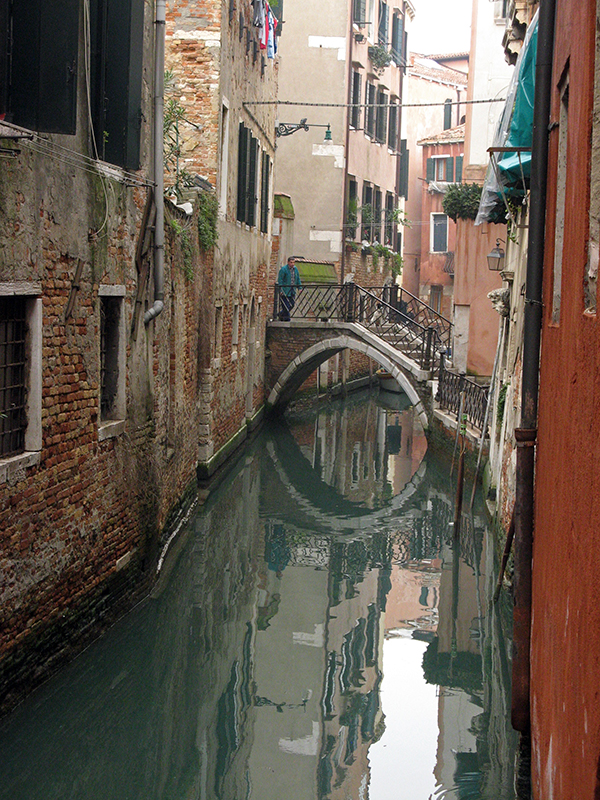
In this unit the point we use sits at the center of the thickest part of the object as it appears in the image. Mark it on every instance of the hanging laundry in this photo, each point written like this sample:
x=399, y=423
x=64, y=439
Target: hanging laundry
x=272, y=40
x=264, y=31
x=260, y=13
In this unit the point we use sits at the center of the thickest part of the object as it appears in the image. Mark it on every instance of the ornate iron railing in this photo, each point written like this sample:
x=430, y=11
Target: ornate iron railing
x=390, y=312
x=450, y=387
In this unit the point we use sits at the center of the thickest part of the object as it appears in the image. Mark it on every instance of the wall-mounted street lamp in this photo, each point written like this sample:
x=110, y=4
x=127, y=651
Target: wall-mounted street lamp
x=495, y=259
x=287, y=128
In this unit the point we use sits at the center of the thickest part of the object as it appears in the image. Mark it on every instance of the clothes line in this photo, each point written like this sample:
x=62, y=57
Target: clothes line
x=370, y=105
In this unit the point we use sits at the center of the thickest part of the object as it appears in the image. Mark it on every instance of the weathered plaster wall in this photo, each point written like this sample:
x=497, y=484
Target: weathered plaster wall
x=565, y=647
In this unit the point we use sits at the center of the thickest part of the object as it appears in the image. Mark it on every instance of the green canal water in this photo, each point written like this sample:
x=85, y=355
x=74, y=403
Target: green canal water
x=315, y=632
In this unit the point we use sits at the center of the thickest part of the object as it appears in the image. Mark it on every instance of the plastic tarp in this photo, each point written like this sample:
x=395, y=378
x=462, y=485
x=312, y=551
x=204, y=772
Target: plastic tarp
x=515, y=128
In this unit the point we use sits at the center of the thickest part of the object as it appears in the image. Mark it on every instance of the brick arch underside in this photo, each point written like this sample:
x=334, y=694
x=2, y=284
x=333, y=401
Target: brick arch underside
x=294, y=375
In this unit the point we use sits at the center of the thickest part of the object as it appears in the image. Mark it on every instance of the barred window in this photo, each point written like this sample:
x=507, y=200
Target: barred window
x=13, y=375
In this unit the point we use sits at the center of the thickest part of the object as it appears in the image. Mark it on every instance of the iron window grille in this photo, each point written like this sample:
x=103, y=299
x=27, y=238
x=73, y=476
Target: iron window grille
x=13, y=362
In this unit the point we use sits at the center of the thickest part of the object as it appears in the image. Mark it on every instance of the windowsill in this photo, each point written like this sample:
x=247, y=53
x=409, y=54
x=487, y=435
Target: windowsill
x=12, y=468
x=110, y=428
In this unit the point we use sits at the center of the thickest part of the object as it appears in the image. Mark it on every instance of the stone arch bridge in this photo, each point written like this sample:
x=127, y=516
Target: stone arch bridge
x=394, y=328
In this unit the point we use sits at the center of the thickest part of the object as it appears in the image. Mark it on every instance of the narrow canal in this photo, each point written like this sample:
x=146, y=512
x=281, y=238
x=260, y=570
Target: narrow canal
x=314, y=633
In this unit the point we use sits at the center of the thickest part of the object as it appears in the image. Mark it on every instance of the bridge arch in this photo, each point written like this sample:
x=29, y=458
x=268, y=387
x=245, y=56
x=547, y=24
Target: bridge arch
x=305, y=363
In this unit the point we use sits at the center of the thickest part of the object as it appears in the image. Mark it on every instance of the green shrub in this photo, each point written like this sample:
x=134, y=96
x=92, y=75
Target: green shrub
x=461, y=200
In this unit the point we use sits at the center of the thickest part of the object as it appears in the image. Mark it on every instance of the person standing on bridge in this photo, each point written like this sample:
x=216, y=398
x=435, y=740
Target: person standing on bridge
x=288, y=281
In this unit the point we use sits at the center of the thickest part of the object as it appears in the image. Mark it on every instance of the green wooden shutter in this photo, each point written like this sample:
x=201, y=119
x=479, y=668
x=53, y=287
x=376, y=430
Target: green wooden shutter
x=459, y=169
x=251, y=191
x=447, y=114
x=42, y=93
x=449, y=169
x=383, y=23
x=397, y=39
x=117, y=34
x=430, y=170
x=242, y=171
x=404, y=162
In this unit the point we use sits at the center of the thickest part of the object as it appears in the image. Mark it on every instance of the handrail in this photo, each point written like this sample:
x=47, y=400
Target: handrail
x=450, y=386
x=395, y=315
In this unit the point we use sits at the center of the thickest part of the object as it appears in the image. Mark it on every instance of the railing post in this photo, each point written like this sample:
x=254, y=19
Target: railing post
x=350, y=301
x=428, y=347
x=276, y=302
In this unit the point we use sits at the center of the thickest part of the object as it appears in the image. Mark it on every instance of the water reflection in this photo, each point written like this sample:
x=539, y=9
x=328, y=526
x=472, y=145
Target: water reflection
x=316, y=634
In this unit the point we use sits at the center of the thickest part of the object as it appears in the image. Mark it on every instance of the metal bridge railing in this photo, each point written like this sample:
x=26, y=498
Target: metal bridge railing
x=450, y=387
x=390, y=312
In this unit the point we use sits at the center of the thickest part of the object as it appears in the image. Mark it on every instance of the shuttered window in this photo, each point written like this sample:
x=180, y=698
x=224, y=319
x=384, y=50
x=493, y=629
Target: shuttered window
x=383, y=24
x=264, y=193
x=355, y=112
x=117, y=38
x=458, y=163
x=38, y=70
x=359, y=11
x=404, y=164
x=439, y=233
x=247, y=176
x=381, y=116
x=370, y=110
x=447, y=114
x=393, y=126
x=398, y=40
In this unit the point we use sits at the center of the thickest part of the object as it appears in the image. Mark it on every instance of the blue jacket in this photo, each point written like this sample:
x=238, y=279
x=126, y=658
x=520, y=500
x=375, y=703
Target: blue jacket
x=284, y=279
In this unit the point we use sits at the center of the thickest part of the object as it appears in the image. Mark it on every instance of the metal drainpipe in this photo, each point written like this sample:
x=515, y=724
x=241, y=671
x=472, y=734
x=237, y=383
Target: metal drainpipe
x=526, y=435
x=159, y=177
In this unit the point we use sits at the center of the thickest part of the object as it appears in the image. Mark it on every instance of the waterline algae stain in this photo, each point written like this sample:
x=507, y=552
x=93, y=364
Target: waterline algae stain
x=316, y=634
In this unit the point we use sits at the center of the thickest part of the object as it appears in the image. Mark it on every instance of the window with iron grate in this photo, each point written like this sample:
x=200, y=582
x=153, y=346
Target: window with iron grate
x=13, y=375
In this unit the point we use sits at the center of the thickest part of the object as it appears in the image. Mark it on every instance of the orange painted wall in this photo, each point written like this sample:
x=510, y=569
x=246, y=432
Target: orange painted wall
x=472, y=282
x=565, y=672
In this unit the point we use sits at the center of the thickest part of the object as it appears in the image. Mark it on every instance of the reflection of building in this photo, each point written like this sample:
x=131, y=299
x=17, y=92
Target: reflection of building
x=316, y=664
x=366, y=452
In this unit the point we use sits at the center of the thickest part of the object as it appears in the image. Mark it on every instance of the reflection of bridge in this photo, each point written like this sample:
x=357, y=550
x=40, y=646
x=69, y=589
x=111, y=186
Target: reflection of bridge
x=391, y=326
x=416, y=530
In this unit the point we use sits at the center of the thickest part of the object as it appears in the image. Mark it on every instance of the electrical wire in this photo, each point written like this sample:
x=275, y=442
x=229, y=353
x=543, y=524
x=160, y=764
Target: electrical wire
x=370, y=105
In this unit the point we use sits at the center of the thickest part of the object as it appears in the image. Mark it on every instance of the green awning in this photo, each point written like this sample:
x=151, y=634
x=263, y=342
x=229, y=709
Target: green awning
x=317, y=272
x=510, y=177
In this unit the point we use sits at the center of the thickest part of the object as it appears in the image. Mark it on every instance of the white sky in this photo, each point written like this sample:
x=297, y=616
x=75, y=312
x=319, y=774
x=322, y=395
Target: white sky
x=440, y=26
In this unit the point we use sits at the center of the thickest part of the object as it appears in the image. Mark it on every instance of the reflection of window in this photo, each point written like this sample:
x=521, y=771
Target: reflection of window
x=439, y=233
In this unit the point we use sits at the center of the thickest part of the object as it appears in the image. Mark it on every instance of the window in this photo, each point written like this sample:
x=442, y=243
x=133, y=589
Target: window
x=383, y=30
x=20, y=372
x=355, y=112
x=447, y=113
x=381, y=117
x=366, y=212
x=38, y=63
x=435, y=297
x=440, y=168
x=439, y=233
x=458, y=168
x=117, y=46
x=112, y=354
x=389, y=220
x=235, y=328
x=370, y=115
x=224, y=158
x=376, y=227
x=404, y=165
x=359, y=11
x=247, y=166
x=264, y=192
x=398, y=52
x=393, y=126
x=352, y=213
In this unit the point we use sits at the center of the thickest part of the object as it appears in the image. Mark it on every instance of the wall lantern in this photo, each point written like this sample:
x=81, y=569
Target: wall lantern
x=495, y=259
x=287, y=128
